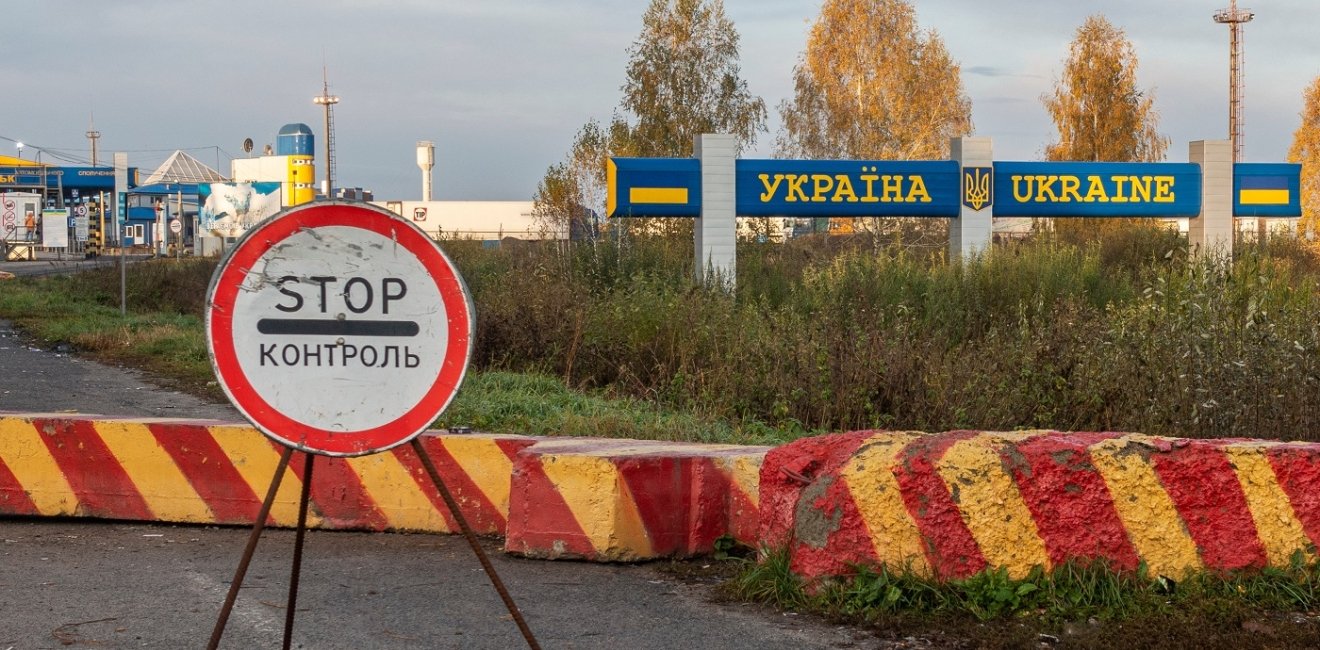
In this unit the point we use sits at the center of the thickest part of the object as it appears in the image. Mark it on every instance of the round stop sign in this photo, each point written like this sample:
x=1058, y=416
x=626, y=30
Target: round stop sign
x=339, y=328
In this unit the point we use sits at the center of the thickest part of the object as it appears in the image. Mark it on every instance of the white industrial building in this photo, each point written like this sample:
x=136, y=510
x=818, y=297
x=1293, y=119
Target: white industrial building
x=480, y=220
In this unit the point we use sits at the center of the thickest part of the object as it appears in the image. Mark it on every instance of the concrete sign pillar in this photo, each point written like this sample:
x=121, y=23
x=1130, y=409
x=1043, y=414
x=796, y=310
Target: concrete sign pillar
x=716, y=230
x=1212, y=232
x=972, y=232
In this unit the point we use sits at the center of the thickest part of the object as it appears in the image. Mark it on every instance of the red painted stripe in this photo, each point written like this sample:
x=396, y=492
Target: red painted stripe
x=337, y=493
x=1069, y=500
x=480, y=512
x=14, y=500
x=210, y=471
x=511, y=446
x=846, y=545
x=99, y=481
x=1204, y=488
x=661, y=488
x=1298, y=469
x=710, y=506
x=788, y=470
x=540, y=520
x=950, y=547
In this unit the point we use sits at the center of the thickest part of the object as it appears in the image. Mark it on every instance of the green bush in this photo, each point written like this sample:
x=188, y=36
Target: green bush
x=836, y=333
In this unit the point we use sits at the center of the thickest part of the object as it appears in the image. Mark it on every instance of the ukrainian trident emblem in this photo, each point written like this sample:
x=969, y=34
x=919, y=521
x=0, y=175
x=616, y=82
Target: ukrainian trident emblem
x=976, y=187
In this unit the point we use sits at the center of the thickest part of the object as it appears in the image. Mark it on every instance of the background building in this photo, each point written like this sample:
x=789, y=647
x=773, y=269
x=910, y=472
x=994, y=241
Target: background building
x=290, y=163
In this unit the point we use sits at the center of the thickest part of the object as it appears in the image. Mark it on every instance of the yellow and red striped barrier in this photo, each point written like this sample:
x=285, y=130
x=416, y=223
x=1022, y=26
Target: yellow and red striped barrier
x=957, y=503
x=581, y=498
x=194, y=471
x=630, y=500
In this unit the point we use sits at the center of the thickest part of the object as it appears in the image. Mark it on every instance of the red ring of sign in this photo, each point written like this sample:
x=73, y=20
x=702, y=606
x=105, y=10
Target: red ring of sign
x=287, y=431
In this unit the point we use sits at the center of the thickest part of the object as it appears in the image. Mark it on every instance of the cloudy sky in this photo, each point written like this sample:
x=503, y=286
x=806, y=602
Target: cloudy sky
x=501, y=86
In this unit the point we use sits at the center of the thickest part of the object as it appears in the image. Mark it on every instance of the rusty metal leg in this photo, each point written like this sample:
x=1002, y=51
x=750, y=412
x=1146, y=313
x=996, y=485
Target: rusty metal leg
x=237, y=583
x=476, y=547
x=297, y=550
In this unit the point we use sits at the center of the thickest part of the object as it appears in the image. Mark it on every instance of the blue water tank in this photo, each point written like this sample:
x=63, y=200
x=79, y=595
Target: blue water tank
x=295, y=140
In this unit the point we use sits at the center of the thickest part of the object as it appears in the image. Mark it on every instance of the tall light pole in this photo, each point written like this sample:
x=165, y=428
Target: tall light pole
x=1235, y=18
x=327, y=100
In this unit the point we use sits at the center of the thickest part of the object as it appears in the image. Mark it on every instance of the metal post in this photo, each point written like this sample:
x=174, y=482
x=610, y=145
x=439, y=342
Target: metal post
x=297, y=550
x=476, y=547
x=260, y=523
x=178, y=237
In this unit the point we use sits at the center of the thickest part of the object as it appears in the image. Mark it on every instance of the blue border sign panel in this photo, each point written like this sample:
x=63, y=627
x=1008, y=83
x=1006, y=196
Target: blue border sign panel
x=1099, y=189
x=653, y=187
x=671, y=187
x=1267, y=190
x=847, y=188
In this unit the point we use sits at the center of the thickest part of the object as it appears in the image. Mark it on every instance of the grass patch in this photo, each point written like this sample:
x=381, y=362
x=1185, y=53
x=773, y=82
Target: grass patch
x=1073, y=605
x=166, y=339
x=540, y=405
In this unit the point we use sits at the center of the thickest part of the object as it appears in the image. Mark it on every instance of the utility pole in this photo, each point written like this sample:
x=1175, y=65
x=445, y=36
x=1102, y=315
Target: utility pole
x=93, y=135
x=327, y=100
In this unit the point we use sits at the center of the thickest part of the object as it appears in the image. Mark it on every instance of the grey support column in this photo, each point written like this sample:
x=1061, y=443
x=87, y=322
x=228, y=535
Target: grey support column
x=1212, y=232
x=716, y=229
x=973, y=230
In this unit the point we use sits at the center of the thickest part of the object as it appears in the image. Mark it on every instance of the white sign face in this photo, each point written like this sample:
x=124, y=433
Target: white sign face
x=176, y=226
x=339, y=329
x=55, y=228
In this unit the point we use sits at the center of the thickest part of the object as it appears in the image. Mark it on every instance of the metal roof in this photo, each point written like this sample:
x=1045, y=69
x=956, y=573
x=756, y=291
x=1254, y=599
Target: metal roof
x=183, y=168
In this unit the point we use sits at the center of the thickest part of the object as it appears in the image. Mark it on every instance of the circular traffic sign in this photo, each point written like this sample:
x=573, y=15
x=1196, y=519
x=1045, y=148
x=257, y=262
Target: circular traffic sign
x=339, y=328
x=176, y=226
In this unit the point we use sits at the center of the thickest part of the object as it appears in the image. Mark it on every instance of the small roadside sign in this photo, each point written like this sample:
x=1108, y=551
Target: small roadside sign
x=176, y=226
x=339, y=328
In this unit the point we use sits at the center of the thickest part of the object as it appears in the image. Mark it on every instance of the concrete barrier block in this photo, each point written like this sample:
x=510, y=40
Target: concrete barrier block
x=957, y=503
x=192, y=471
x=625, y=500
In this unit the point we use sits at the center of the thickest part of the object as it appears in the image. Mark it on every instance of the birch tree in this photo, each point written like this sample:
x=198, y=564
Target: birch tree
x=872, y=85
x=683, y=79
x=1306, y=150
x=1097, y=108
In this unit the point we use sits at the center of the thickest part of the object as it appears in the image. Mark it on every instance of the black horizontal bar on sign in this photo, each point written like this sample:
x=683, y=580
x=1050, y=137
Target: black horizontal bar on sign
x=319, y=327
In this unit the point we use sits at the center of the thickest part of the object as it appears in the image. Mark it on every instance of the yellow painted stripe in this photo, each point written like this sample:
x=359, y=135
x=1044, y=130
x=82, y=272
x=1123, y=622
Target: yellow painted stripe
x=1276, y=524
x=991, y=504
x=1147, y=512
x=665, y=195
x=745, y=473
x=870, y=478
x=1263, y=197
x=598, y=498
x=396, y=494
x=482, y=460
x=167, y=492
x=256, y=460
x=611, y=189
x=30, y=461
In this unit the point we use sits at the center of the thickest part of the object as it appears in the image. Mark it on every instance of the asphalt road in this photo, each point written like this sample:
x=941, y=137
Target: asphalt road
x=53, y=264
x=82, y=583
x=119, y=585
